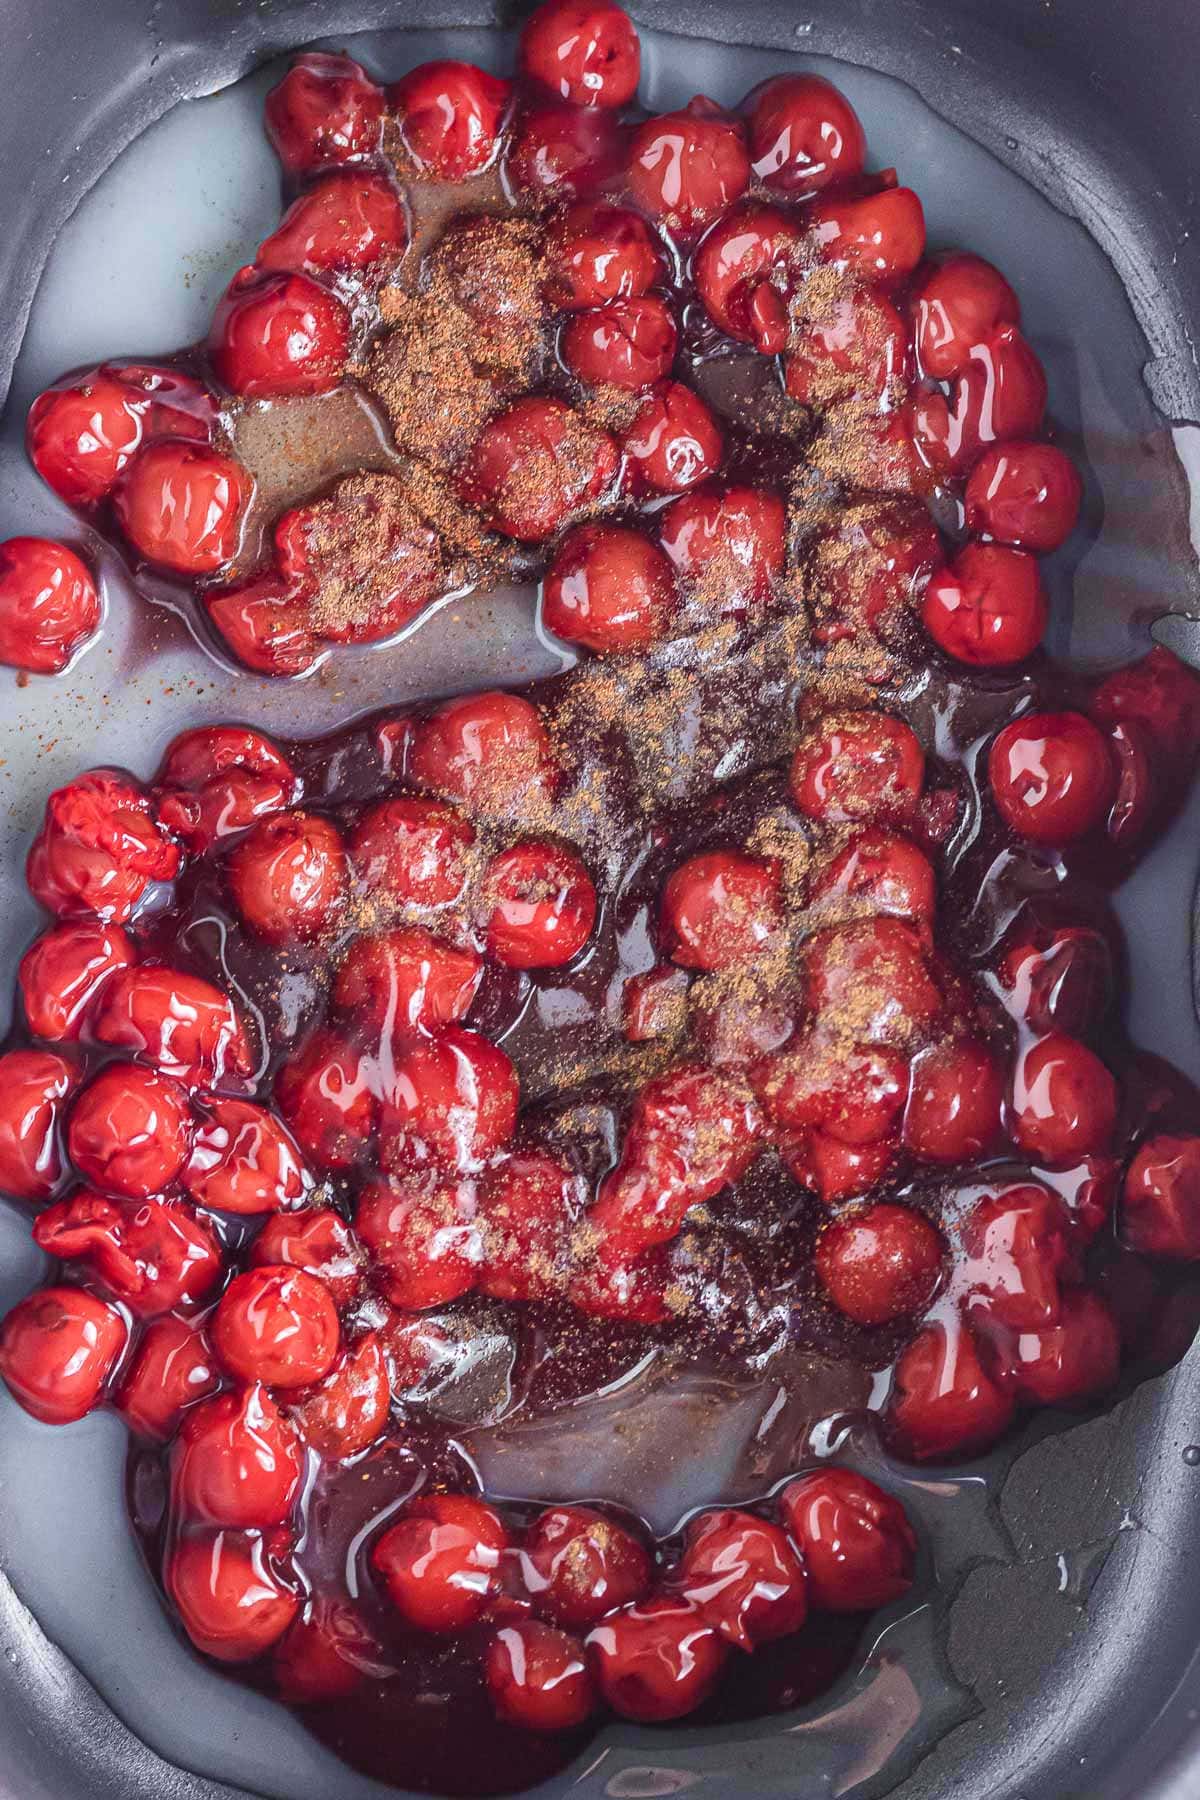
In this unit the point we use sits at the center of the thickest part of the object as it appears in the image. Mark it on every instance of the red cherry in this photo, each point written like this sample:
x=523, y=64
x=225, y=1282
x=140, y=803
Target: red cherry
x=345, y=221
x=804, y=135
x=535, y=464
x=871, y=979
x=82, y=433
x=326, y=111
x=324, y=1094
x=562, y=152
x=846, y=346
x=450, y=116
x=578, y=1564
x=317, y=1239
x=57, y=1350
x=868, y=572
x=988, y=607
x=1052, y=776
x=181, y=506
x=415, y=851
x=880, y=1264
x=853, y=1095
x=541, y=906
x=129, y=1131
x=953, y=1112
x=288, y=877
x=406, y=980
x=219, y=780
x=1058, y=979
x=63, y=973
x=197, y=758
x=688, y=167
x=721, y=907
x=527, y=1206
x=1026, y=494
x=999, y=394
x=231, y=1602
x=48, y=604
x=943, y=1401
x=883, y=871
x=1064, y=1101
x=729, y=545
x=857, y=765
x=656, y=1660
x=962, y=302
x=1159, y=693
x=1139, y=793
x=1018, y=1245
x=674, y=442
x=654, y=1004
x=236, y=1461
x=856, y=1541
x=878, y=237
x=610, y=589
x=744, y=1576
x=243, y=1161
x=452, y=1102
x=440, y=1563
x=491, y=751
x=631, y=1289
x=276, y=333
x=349, y=1409
x=1160, y=1206
x=325, y=1655
x=363, y=556
x=835, y=1170
x=538, y=1677
x=265, y=626
x=98, y=850
x=584, y=51
x=1070, y=1361
x=276, y=1325
x=424, y=1238
x=151, y=1257
x=627, y=344
x=596, y=253
x=744, y=271
x=184, y=1026
x=172, y=1368
x=34, y=1084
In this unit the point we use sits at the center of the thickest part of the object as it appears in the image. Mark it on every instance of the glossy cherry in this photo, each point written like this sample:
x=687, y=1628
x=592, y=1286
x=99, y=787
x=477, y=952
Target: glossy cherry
x=657, y=1659
x=1058, y=978
x=609, y=588
x=325, y=112
x=688, y=167
x=674, y=442
x=265, y=625
x=277, y=1325
x=954, y=1103
x=185, y=1026
x=129, y=1131
x=450, y=116
x=326, y=1653
x=988, y=607
x=746, y=269
x=82, y=432
x=172, y=1368
x=48, y=604
x=1162, y=695
x=744, y=1576
x=1019, y=1247
x=490, y=751
x=34, y=1087
x=452, y=1101
x=98, y=850
x=276, y=332
x=538, y=1677
x=288, y=876
x=882, y=870
x=1160, y=1205
x=439, y=1564
x=412, y=851
x=348, y=1409
x=1064, y=1101
x=236, y=1461
x=562, y=152
x=877, y=237
x=349, y=220
x=181, y=506
x=804, y=135
x=881, y=1263
x=1052, y=776
x=856, y=1540
x=726, y=546
x=151, y=1256
x=536, y=463
x=944, y=1403
x=243, y=1160
x=720, y=907
x=873, y=979
x=424, y=1237
x=1064, y=1364
x=579, y=1564
x=317, y=1239
x=857, y=765
x=539, y=906
x=406, y=980
x=1024, y=494
x=326, y=1095
x=231, y=1600
x=57, y=1349
x=627, y=344
x=596, y=252
x=959, y=305
x=584, y=51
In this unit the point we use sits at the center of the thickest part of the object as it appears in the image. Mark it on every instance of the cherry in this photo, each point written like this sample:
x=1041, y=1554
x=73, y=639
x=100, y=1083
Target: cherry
x=57, y=1349
x=729, y=545
x=688, y=167
x=744, y=1576
x=562, y=152
x=406, y=980
x=943, y=1401
x=424, y=1237
x=535, y=464
x=98, y=850
x=804, y=135
x=150, y=1256
x=230, y=1600
x=236, y=1461
x=34, y=1085
x=1070, y=1361
x=48, y=604
x=129, y=1131
x=880, y=1264
x=654, y=1004
x=1060, y=978
x=596, y=253
x=349, y=1409
x=265, y=625
x=317, y=1239
x=960, y=304
x=218, y=780
x=287, y=877
x=953, y=1112
x=439, y=1564
x=720, y=907
x=579, y=1564
x=999, y=394
x=184, y=1026
x=744, y=269
x=415, y=851
x=877, y=237
x=610, y=589
x=538, y=1677
x=988, y=607
x=347, y=221
x=452, y=1101
x=872, y=978
x=1018, y=1245
x=856, y=765
x=1162, y=695
x=83, y=432
x=674, y=442
x=1139, y=793
x=833, y=1169
x=325, y=1654
x=181, y=506
x=867, y=573
x=277, y=333
x=1052, y=776
x=326, y=111
x=325, y=1096
x=277, y=1325
x=627, y=344
x=450, y=116
x=172, y=1368
x=883, y=871
x=491, y=751
x=856, y=1540
x=584, y=51
x=527, y=1206
x=845, y=346
x=1025, y=494
x=1064, y=1101
x=657, y=1659
x=853, y=1095
x=540, y=906
x=628, y=1288
x=1160, y=1206
x=243, y=1161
